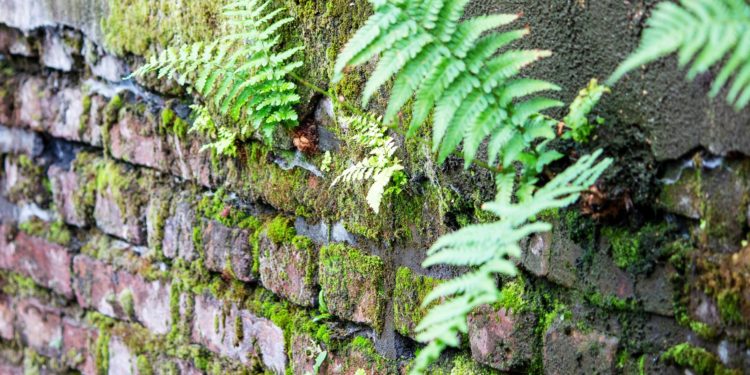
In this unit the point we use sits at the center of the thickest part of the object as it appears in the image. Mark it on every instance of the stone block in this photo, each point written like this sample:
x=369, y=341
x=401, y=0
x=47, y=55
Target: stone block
x=228, y=250
x=46, y=263
x=289, y=269
x=568, y=350
x=501, y=338
x=353, y=284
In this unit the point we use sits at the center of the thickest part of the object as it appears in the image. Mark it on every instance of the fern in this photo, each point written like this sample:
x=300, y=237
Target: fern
x=380, y=167
x=577, y=118
x=453, y=67
x=240, y=73
x=489, y=247
x=703, y=33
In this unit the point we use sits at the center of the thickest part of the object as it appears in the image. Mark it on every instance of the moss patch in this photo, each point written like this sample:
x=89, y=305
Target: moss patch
x=698, y=359
x=408, y=294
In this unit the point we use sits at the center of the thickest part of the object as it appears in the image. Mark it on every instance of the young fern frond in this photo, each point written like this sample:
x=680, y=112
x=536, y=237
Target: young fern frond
x=491, y=246
x=380, y=167
x=704, y=34
x=450, y=66
x=241, y=73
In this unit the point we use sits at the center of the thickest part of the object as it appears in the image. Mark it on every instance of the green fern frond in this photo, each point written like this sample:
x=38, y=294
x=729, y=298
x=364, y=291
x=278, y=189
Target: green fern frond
x=702, y=33
x=451, y=67
x=490, y=246
x=380, y=167
x=241, y=74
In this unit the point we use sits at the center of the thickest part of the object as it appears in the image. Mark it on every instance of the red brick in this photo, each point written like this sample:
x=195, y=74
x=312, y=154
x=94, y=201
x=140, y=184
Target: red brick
x=65, y=186
x=94, y=285
x=134, y=139
x=289, y=271
x=216, y=329
x=150, y=301
x=500, y=338
x=7, y=316
x=40, y=326
x=79, y=338
x=568, y=350
x=228, y=247
x=178, y=231
x=46, y=263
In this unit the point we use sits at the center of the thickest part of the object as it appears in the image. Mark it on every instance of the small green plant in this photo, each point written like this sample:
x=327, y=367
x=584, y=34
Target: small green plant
x=381, y=166
x=577, y=119
x=488, y=248
x=703, y=33
x=240, y=74
x=454, y=67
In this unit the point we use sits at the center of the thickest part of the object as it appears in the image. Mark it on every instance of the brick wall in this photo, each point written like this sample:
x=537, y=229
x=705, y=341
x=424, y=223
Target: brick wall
x=124, y=249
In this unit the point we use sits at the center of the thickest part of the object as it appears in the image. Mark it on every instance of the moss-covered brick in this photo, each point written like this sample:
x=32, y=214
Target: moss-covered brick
x=697, y=359
x=353, y=284
x=121, y=201
x=25, y=181
x=289, y=268
x=408, y=294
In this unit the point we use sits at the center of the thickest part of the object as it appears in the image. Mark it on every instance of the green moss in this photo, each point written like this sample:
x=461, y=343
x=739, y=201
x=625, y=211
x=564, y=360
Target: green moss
x=15, y=284
x=280, y=230
x=101, y=352
x=32, y=184
x=559, y=312
x=729, y=306
x=697, y=359
x=408, y=294
x=56, y=232
x=345, y=270
x=143, y=365
x=611, y=302
x=172, y=124
x=125, y=299
x=138, y=26
x=512, y=295
x=635, y=250
x=84, y=120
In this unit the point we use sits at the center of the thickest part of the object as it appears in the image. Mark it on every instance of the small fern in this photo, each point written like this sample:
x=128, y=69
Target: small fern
x=488, y=247
x=380, y=167
x=240, y=73
x=577, y=119
x=224, y=141
x=451, y=66
x=703, y=33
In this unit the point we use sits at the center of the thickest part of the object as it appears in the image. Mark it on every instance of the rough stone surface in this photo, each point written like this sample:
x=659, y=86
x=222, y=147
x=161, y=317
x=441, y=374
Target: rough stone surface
x=228, y=250
x=65, y=185
x=352, y=284
x=40, y=326
x=568, y=350
x=7, y=316
x=46, y=263
x=656, y=291
x=217, y=328
x=19, y=141
x=289, y=271
x=178, y=230
x=500, y=338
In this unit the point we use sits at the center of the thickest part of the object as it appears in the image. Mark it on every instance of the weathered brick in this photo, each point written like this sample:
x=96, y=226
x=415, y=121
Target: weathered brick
x=133, y=138
x=23, y=181
x=353, y=284
x=65, y=187
x=178, y=229
x=290, y=269
x=40, y=326
x=191, y=162
x=122, y=295
x=655, y=291
x=46, y=263
x=56, y=53
x=568, y=350
x=501, y=338
x=228, y=250
x=19, y=141
x=157, y=211
x=608, y=279
x=121, y=198
x=69, y=123
x=7, y=317
x=121, y=360
x=237, y=333
x=78, y=345
x=94, y=286
x=408, y=294
x=33, y=107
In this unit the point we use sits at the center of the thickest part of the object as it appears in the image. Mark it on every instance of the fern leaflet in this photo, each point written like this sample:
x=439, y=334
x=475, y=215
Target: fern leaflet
x=451, y=67
x=703, y=33
x=241, y=73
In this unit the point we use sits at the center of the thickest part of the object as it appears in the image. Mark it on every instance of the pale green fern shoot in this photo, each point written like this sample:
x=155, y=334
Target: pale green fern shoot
x=488, y=248
x=224, y=141
x=453, y=67
x=704, y=34
x=577, y=119
x=380, y=167
x=240, y=74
